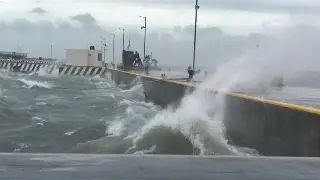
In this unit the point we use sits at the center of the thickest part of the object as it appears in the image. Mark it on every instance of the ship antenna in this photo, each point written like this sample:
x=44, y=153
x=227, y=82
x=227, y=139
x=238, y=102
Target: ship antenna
x=129, y=45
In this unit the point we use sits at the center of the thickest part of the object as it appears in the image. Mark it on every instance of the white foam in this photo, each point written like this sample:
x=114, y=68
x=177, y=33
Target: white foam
x=31, y=83
x=41, y=103
x=70, y=133
x=115, y=128
x=150, y=150
x=44, y=72
x=200, y=115
x=68, y=169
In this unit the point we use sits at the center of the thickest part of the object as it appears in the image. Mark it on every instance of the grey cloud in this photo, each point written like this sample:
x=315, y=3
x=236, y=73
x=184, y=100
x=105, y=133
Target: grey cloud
x=38, y=11
x=86, y=18
x=213, y=45
x=277, y=6
x=298, y=45
x=35, y=37
x=204, y=31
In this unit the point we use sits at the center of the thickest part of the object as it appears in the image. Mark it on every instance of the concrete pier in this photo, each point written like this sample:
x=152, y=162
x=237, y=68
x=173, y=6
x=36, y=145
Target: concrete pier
x=272, y=127
x=51, y=67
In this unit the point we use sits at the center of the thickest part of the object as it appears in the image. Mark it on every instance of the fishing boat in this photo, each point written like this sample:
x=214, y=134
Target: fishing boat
x=131, y=61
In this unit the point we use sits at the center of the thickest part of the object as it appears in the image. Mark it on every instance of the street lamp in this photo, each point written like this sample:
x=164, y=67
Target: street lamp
x=122, y=38
x=145, y=35
x=51, y=51
x=103, y=48
x=192, y=71
x=113, y=35
x=195, y=34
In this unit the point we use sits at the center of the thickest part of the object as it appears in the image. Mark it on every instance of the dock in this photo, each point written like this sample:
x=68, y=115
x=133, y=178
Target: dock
x=303, y=96
x=257, y=121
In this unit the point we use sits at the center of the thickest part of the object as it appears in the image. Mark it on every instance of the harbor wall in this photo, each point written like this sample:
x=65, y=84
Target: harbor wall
x=50, y=67
x=160, y=92
x=271, y=127
x=163, y=92
x=122, y=78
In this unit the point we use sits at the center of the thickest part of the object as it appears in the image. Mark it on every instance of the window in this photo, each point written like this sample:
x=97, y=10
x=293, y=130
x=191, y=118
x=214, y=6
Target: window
x=99, y=56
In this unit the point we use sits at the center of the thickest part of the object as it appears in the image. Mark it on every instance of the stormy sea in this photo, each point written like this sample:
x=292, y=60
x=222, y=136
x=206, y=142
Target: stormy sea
x=47, y=113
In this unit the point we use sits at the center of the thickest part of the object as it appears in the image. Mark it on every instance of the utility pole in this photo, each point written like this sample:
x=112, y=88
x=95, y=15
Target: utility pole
x=122, y=39
x=145, y=35
x=104, y=53
x=122, y=54
x=51, y=51
x=103, y=48
x=195, y=35
x=113, y=35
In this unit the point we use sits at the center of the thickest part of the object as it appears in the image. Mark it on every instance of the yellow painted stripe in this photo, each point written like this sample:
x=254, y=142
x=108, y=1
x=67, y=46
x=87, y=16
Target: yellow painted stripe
x=244, y=96
x=159, y=78
x=277, y=103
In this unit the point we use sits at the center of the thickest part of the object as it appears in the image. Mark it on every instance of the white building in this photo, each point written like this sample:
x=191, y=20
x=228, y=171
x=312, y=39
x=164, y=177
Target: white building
x=84, y=57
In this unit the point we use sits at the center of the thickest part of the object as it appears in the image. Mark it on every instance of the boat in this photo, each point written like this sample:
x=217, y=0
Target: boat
x=131, y=61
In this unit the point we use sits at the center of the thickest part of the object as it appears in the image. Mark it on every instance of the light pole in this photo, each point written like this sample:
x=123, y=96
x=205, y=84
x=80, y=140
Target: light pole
x=104, y=46
x=145, y=35
x=122, y=39
x=195, y=35
x=113, y=35
x=51, y=51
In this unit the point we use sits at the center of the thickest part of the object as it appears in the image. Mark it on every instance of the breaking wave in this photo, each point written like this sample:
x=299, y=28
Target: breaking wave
x=93, y=115
x=35, y=84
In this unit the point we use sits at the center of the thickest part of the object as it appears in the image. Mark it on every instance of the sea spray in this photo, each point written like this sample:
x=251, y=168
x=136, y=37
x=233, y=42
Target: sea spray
x=199, y=118
x=45, y=71
x=32, y=83
x=200, y=115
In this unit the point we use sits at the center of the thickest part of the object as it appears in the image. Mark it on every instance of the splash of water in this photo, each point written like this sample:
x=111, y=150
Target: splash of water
x=44, y=72
x=199, y=117
x=31, y=83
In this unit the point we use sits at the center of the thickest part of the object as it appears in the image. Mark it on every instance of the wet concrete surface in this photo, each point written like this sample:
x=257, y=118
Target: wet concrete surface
x=116, y=167
x=304, y=96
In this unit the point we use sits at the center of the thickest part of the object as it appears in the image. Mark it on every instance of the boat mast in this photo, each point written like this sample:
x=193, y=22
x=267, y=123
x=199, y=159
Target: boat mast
x=195, y=35
x=129, y=45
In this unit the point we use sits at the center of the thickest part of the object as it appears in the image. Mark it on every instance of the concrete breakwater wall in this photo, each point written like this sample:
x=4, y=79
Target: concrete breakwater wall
x=271, y=127
x=50, y=67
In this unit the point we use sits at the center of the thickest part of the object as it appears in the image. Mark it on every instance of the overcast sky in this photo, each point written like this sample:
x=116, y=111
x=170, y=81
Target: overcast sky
x=227, y=28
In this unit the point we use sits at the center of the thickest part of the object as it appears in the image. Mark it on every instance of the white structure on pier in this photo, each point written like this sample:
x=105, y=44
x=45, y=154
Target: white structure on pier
x=84, y=57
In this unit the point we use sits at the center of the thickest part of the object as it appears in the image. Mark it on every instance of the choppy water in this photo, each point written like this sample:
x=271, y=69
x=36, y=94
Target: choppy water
x=51, y=114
